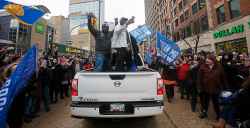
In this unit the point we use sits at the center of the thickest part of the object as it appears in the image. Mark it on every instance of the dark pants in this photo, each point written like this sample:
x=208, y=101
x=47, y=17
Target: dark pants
x=228, y=114
x=16, y=112
x=170, y=91
x=194, y=95
x=45, y=97
x=205, y=99
x=122, y=59
x=184, y=89
x=54, y=91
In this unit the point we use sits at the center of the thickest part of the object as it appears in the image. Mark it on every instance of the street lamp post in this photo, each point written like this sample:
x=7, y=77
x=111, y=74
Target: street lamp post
x=99, y=14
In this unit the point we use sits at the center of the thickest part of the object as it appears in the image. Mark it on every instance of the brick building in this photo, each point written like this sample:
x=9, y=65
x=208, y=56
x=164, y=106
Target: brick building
x=218, y=24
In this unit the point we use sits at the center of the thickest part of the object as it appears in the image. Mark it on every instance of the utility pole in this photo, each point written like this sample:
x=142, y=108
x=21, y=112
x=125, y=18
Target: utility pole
x=99, y=14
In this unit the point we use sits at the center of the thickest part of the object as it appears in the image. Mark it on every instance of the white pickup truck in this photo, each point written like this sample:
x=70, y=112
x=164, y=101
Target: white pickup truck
x=117, y=94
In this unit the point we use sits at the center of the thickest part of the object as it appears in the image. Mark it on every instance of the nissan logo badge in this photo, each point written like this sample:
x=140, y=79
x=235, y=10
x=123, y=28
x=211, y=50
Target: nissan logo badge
x=117, y=84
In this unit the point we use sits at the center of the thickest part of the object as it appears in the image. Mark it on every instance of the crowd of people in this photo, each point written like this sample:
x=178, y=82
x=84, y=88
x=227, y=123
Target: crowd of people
x=49, y=84
x=203, y=77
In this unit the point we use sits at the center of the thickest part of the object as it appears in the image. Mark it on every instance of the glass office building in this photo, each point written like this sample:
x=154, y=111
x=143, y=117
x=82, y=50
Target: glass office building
x=78, y=9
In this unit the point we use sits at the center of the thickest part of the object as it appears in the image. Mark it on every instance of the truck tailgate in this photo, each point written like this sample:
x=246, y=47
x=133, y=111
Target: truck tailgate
x=102, y=87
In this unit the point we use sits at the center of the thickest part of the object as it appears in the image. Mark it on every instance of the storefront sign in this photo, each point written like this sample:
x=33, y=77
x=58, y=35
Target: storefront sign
x=72, y=50
x=40, y=28
x=229, y=32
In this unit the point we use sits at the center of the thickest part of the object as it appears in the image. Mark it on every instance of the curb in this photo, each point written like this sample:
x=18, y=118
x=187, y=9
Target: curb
x=167, y=115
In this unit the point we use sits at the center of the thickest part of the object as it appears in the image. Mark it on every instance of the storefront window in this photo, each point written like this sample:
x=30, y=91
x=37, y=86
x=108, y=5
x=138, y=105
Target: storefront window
x=234, y=6
x=221, y=14
x=239, y=45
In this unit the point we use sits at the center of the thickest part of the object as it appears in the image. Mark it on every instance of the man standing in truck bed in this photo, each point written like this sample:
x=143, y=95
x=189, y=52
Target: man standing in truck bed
x=103, y=44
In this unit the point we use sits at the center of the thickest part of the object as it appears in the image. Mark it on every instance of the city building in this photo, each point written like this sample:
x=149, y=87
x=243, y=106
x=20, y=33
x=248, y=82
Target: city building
x=38, y=34
x=14, y=33
x=61, y=25
x=80, y=36
x=212, y=25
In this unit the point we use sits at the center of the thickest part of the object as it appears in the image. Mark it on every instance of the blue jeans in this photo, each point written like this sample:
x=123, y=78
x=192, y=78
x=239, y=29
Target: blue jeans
x=101, y=62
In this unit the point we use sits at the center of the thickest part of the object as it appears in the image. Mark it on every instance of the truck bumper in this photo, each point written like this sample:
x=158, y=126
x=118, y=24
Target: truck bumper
x=93, y=111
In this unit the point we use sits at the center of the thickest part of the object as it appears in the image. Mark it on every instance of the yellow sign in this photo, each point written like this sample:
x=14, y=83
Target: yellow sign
x=73, y=50
x=83, y=30
x=15, y=9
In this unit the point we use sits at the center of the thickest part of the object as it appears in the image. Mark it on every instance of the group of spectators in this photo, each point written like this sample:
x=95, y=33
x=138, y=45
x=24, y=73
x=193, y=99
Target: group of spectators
x=203, y=77
x=50, y=83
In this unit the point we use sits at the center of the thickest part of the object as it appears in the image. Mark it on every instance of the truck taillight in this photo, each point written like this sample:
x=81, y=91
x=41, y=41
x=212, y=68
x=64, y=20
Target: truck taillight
x=74, y=87
x=160, y=87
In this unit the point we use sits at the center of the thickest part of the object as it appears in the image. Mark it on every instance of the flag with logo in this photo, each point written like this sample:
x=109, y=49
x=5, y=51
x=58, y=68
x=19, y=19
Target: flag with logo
x=17, y=82
x=25, y=14
x=141, y=33
x=167, y=49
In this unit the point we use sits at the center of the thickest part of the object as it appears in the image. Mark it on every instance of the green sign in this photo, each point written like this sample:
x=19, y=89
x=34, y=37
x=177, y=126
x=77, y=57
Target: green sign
x=40, y=28
x=229, y=32
x=249, y=24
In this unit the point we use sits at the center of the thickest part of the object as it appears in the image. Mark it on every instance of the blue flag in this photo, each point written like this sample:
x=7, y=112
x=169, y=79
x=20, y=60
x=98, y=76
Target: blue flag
x=17, y=82
x=25, y=14
x=167, y=49
x=141, y=33
x=148, y=57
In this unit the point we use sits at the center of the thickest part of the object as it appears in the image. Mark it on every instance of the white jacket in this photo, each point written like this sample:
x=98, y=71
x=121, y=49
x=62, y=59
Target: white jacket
x=119, y=39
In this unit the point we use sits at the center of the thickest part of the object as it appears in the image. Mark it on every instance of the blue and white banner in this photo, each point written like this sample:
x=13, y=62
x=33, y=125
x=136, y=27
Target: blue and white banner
x=167, y=49
x=141, y=33
x=17, y=82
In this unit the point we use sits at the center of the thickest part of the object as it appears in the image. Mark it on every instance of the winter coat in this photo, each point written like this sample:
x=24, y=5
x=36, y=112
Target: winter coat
x=103, y=40
x=211, y=81
x=182, y=71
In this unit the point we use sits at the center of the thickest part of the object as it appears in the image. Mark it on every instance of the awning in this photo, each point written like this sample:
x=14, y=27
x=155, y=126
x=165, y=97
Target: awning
x=6, y=42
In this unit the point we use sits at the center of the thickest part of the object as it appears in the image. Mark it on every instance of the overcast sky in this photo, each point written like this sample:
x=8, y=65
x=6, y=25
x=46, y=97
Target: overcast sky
x=113, y=8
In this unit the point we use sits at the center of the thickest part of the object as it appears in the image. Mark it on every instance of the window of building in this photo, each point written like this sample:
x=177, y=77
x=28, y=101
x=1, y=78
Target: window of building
x=177, y=36
x=202, y=3
x=195, y=8
x=173, y=2
x=176, y=23
x=181, y=18
x=183, y=34
x=174, y=12
x=180, y=6
x=234, y=6
x=196, y=27
x=188, y=31
x=184, y=3
x=186, y=14
x=204, y=23
x=221, y=14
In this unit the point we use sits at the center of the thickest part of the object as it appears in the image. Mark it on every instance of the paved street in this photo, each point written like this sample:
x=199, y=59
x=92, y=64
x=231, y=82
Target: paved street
x=59, y=117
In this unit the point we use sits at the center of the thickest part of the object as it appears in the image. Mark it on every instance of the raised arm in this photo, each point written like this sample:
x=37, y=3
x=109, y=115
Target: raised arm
x=92, y=29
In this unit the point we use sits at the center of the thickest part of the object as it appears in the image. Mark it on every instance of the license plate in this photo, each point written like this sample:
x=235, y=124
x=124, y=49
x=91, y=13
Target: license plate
x=117, y=107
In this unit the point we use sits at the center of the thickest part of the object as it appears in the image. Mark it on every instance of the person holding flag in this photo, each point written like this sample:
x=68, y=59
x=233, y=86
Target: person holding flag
x=16, y=83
